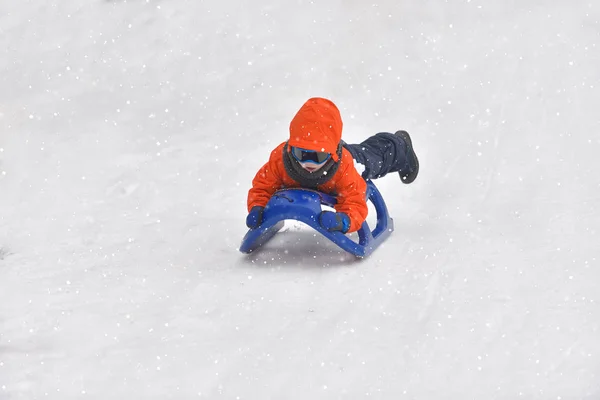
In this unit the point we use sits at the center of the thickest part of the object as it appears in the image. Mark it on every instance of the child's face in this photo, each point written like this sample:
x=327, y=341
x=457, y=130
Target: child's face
x=311, y=167
x=310, y=160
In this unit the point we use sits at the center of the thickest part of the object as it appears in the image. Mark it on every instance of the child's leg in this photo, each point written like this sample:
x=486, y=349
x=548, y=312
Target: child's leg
x=384, y=153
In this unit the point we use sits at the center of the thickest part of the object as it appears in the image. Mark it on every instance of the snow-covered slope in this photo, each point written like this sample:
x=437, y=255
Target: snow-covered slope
x=130, y=132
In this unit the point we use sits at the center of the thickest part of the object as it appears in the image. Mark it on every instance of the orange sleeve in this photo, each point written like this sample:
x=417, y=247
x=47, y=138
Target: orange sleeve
x=351, y=191
x=267, y=180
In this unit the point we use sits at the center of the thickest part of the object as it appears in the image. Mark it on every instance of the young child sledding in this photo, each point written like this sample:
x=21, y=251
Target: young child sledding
x=316, y=157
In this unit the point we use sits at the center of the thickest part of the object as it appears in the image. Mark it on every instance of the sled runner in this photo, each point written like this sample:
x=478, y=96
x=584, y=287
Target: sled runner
x=305, y=205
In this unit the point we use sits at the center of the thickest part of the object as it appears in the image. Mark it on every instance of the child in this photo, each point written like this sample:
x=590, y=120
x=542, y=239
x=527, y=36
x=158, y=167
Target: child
x=315, y=157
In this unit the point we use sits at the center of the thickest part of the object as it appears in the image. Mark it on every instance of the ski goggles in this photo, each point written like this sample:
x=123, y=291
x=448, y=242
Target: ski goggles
x=310, y=156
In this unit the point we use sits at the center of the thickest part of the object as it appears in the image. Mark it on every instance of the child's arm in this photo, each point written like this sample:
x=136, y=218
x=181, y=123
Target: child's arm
x=352, y=196
x=267, y=180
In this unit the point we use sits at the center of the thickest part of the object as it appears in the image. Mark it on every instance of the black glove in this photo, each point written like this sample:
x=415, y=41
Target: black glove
x=334, y=221
x=255, y=217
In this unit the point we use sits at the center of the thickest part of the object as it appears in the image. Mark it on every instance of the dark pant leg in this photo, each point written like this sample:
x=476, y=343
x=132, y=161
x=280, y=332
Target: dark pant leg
x=381, y=154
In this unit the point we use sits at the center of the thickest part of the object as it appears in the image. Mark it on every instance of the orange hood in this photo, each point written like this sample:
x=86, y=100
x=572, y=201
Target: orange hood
x=317, y=126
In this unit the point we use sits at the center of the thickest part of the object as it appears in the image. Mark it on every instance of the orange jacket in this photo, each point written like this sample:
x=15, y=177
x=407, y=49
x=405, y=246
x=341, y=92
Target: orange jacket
x=317, y=126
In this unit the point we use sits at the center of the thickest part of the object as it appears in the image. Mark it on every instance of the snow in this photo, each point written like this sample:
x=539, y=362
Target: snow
x=129, y=135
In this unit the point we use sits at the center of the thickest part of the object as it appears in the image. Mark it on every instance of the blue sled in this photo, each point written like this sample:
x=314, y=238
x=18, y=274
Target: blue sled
x=305, y=205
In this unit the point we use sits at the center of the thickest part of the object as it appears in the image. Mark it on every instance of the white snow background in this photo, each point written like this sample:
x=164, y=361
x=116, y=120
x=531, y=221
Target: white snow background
x=130, y=132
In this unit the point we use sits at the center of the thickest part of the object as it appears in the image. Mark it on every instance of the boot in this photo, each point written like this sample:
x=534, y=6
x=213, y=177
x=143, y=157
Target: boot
x=411, y=174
